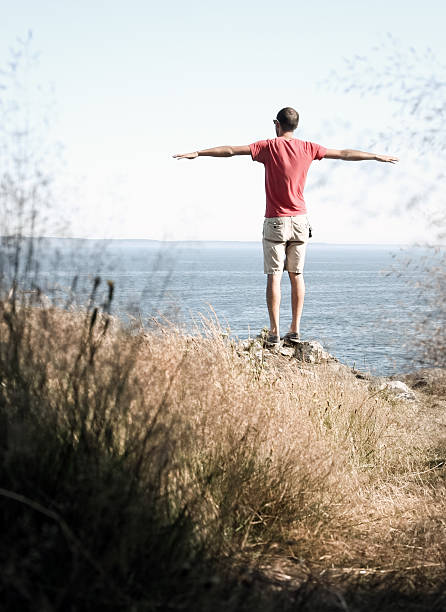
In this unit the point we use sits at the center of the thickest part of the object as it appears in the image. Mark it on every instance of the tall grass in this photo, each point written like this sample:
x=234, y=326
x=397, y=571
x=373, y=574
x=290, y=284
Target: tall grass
x=155, y=470
x=152, y=470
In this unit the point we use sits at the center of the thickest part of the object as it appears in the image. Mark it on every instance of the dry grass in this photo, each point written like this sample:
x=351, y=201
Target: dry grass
x=193, y=450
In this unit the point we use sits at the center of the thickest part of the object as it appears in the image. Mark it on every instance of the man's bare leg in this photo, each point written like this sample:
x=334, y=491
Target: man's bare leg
x=273, y=301
x=297, y=299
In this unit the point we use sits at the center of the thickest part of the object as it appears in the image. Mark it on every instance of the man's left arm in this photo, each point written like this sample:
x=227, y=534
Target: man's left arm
x=224, y=151
x=353, y=155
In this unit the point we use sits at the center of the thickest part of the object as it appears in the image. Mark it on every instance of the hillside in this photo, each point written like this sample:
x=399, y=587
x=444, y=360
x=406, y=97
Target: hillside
x=153, y=470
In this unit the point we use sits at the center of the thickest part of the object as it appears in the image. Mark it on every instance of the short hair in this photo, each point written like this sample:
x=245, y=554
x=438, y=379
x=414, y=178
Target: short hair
x=288, y=118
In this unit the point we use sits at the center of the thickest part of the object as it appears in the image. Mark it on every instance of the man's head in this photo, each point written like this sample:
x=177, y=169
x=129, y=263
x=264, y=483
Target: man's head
x=288, y=119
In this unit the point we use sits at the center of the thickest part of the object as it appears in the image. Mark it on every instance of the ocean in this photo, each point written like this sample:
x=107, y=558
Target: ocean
x=361, y=301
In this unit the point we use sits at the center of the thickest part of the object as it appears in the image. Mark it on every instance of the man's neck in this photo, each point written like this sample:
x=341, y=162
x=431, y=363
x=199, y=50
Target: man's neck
x=286, y=135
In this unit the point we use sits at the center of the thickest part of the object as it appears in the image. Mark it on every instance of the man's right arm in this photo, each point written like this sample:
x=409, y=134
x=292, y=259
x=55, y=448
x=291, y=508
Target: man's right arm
x=225, y=151
x=352, y=155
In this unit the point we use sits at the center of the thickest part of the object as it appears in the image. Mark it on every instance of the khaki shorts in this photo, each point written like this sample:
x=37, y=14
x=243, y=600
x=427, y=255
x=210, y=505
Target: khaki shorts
x=284, y=244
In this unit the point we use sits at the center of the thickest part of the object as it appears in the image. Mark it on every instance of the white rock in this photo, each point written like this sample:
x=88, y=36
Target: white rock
x=399, y=389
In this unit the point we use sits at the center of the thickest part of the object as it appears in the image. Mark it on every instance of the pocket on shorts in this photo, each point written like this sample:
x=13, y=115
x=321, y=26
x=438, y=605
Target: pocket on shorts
x=274, y=229
x=300, y=229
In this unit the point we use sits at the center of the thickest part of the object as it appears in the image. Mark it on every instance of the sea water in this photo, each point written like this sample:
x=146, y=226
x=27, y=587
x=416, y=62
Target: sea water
x=360, y=303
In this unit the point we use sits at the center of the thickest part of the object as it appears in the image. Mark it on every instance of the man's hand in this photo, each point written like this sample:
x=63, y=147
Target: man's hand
x=386, y=158
x=186, y=155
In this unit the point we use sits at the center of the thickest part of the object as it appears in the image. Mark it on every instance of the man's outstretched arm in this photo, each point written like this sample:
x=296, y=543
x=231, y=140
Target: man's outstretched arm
x=225, y=151
x=352, y=155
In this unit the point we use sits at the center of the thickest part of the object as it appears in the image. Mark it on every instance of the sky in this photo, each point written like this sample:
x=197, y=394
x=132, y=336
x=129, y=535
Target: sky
x=134, y=83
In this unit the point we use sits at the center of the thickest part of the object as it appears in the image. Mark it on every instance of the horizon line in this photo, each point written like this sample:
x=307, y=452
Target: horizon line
x=201, y=241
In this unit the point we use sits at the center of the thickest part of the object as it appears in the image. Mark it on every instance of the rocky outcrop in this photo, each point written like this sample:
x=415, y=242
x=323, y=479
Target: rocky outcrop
x=305, y=351
x=311, y=354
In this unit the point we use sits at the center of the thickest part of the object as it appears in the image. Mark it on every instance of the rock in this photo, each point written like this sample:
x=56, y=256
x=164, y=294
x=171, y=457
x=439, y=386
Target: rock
x=309, y=352
x=398, y=389
x=312, y=352
x=287, y=351
x=427, y=379
x=251, y=345
x=245, y=345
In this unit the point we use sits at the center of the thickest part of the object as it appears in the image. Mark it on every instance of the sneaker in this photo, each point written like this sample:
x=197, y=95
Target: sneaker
x=272, y=341
x=291, y=338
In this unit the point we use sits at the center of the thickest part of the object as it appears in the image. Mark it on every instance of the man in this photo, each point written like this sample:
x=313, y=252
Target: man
x=285, y=229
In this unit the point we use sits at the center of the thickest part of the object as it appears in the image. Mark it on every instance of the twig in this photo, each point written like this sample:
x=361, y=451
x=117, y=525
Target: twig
x=368, y=570
x=441, y=464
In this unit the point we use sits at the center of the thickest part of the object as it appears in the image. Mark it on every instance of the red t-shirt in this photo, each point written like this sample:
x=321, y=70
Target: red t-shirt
x=286, y=165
